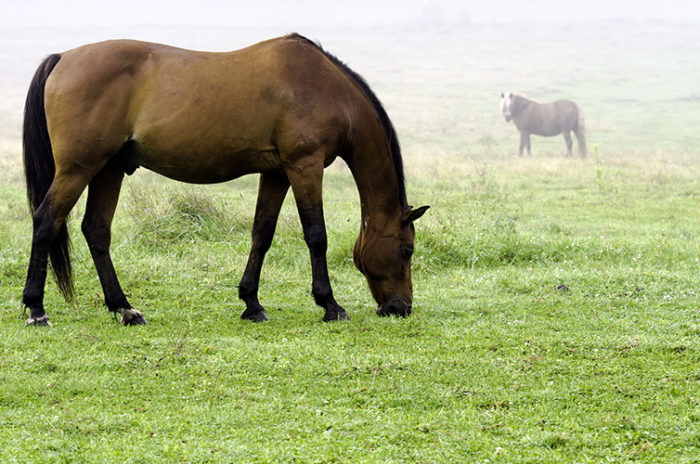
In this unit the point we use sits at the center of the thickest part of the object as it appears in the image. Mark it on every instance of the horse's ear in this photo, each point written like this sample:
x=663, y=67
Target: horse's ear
x=511, y=95
x=413, y=214
x=502, y=96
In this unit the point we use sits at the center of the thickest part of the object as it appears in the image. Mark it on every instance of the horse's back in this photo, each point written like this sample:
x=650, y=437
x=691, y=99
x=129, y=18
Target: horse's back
x=548, y=119
x=566, y=108
x=158, y=78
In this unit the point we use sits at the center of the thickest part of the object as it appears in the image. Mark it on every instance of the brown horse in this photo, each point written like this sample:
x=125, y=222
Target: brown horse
x=283, y=108
x=549, y=119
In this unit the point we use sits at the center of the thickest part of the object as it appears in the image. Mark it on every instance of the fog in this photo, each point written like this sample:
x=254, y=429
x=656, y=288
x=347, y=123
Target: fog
x=294, y=14
x=438, y=65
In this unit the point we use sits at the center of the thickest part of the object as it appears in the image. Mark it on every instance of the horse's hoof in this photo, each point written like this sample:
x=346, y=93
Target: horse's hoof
x=42, y=321
x=382, y=312
x=258, y=316
x=336, y=316
x=130, y=316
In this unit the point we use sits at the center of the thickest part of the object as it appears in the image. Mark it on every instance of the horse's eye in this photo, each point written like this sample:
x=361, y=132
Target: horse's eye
x=407, y=252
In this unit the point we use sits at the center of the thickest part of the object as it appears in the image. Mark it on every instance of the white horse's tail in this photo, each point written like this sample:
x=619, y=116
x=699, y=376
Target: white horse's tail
x=580, y=131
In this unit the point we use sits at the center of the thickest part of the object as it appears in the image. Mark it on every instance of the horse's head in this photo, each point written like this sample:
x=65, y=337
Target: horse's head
x=383, y=254
x=506, y=103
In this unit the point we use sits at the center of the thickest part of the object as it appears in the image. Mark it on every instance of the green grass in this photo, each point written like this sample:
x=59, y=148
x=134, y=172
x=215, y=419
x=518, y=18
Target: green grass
x=556, y=314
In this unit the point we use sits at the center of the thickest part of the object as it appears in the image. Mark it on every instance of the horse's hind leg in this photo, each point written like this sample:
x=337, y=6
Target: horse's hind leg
x=42, y=237
x=273, y=189
x=569, y=143
x=581, y=139
x=103, y=195
x=48, y=219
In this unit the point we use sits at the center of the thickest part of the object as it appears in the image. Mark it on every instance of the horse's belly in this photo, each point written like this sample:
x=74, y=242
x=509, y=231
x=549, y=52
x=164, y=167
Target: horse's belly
x=207, y=168
x=547, y=133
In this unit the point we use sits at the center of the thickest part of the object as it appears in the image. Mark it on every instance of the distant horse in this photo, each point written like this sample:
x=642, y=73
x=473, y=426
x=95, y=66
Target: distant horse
x=548, y=119
x=283, y=108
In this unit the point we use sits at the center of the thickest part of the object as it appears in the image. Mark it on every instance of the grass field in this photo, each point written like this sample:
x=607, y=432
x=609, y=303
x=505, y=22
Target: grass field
x=557, y=301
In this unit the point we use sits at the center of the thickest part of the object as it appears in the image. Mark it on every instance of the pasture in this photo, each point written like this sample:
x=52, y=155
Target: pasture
x=556, y=300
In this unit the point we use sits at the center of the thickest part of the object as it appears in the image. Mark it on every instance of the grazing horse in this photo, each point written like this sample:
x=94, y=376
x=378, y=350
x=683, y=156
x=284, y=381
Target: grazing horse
x=546, y=119
x=284, y=108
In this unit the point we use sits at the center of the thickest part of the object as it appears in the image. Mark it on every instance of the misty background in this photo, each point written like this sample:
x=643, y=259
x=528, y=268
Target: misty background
x=317, y=12
x=437, y=65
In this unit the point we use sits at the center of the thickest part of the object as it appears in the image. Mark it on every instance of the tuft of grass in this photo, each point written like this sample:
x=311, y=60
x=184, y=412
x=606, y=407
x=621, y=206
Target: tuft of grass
x=181, y=215
x=599, y=172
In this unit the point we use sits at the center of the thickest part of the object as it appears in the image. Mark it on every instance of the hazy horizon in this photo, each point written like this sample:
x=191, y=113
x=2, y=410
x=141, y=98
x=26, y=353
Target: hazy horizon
x=421, y=57
x=73, y=13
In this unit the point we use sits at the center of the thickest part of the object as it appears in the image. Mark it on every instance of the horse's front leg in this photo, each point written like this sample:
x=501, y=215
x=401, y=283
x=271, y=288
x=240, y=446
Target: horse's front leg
x=306, y=178
x=529, y=148
x=524, y=142
x=273, y=189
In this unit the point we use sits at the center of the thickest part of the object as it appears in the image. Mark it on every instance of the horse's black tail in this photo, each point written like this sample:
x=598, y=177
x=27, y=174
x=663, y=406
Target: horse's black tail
x=39, y=169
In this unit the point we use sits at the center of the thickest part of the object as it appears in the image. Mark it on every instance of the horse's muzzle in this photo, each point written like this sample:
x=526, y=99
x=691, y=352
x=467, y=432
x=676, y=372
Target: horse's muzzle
x=395, y=308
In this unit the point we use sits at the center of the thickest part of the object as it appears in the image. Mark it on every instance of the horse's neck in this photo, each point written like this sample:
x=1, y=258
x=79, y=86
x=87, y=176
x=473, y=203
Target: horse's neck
x=520, y=104
x=377, y=183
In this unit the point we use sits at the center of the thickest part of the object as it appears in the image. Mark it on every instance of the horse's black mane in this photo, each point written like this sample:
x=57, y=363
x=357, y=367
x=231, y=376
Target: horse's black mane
x=383, y=117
